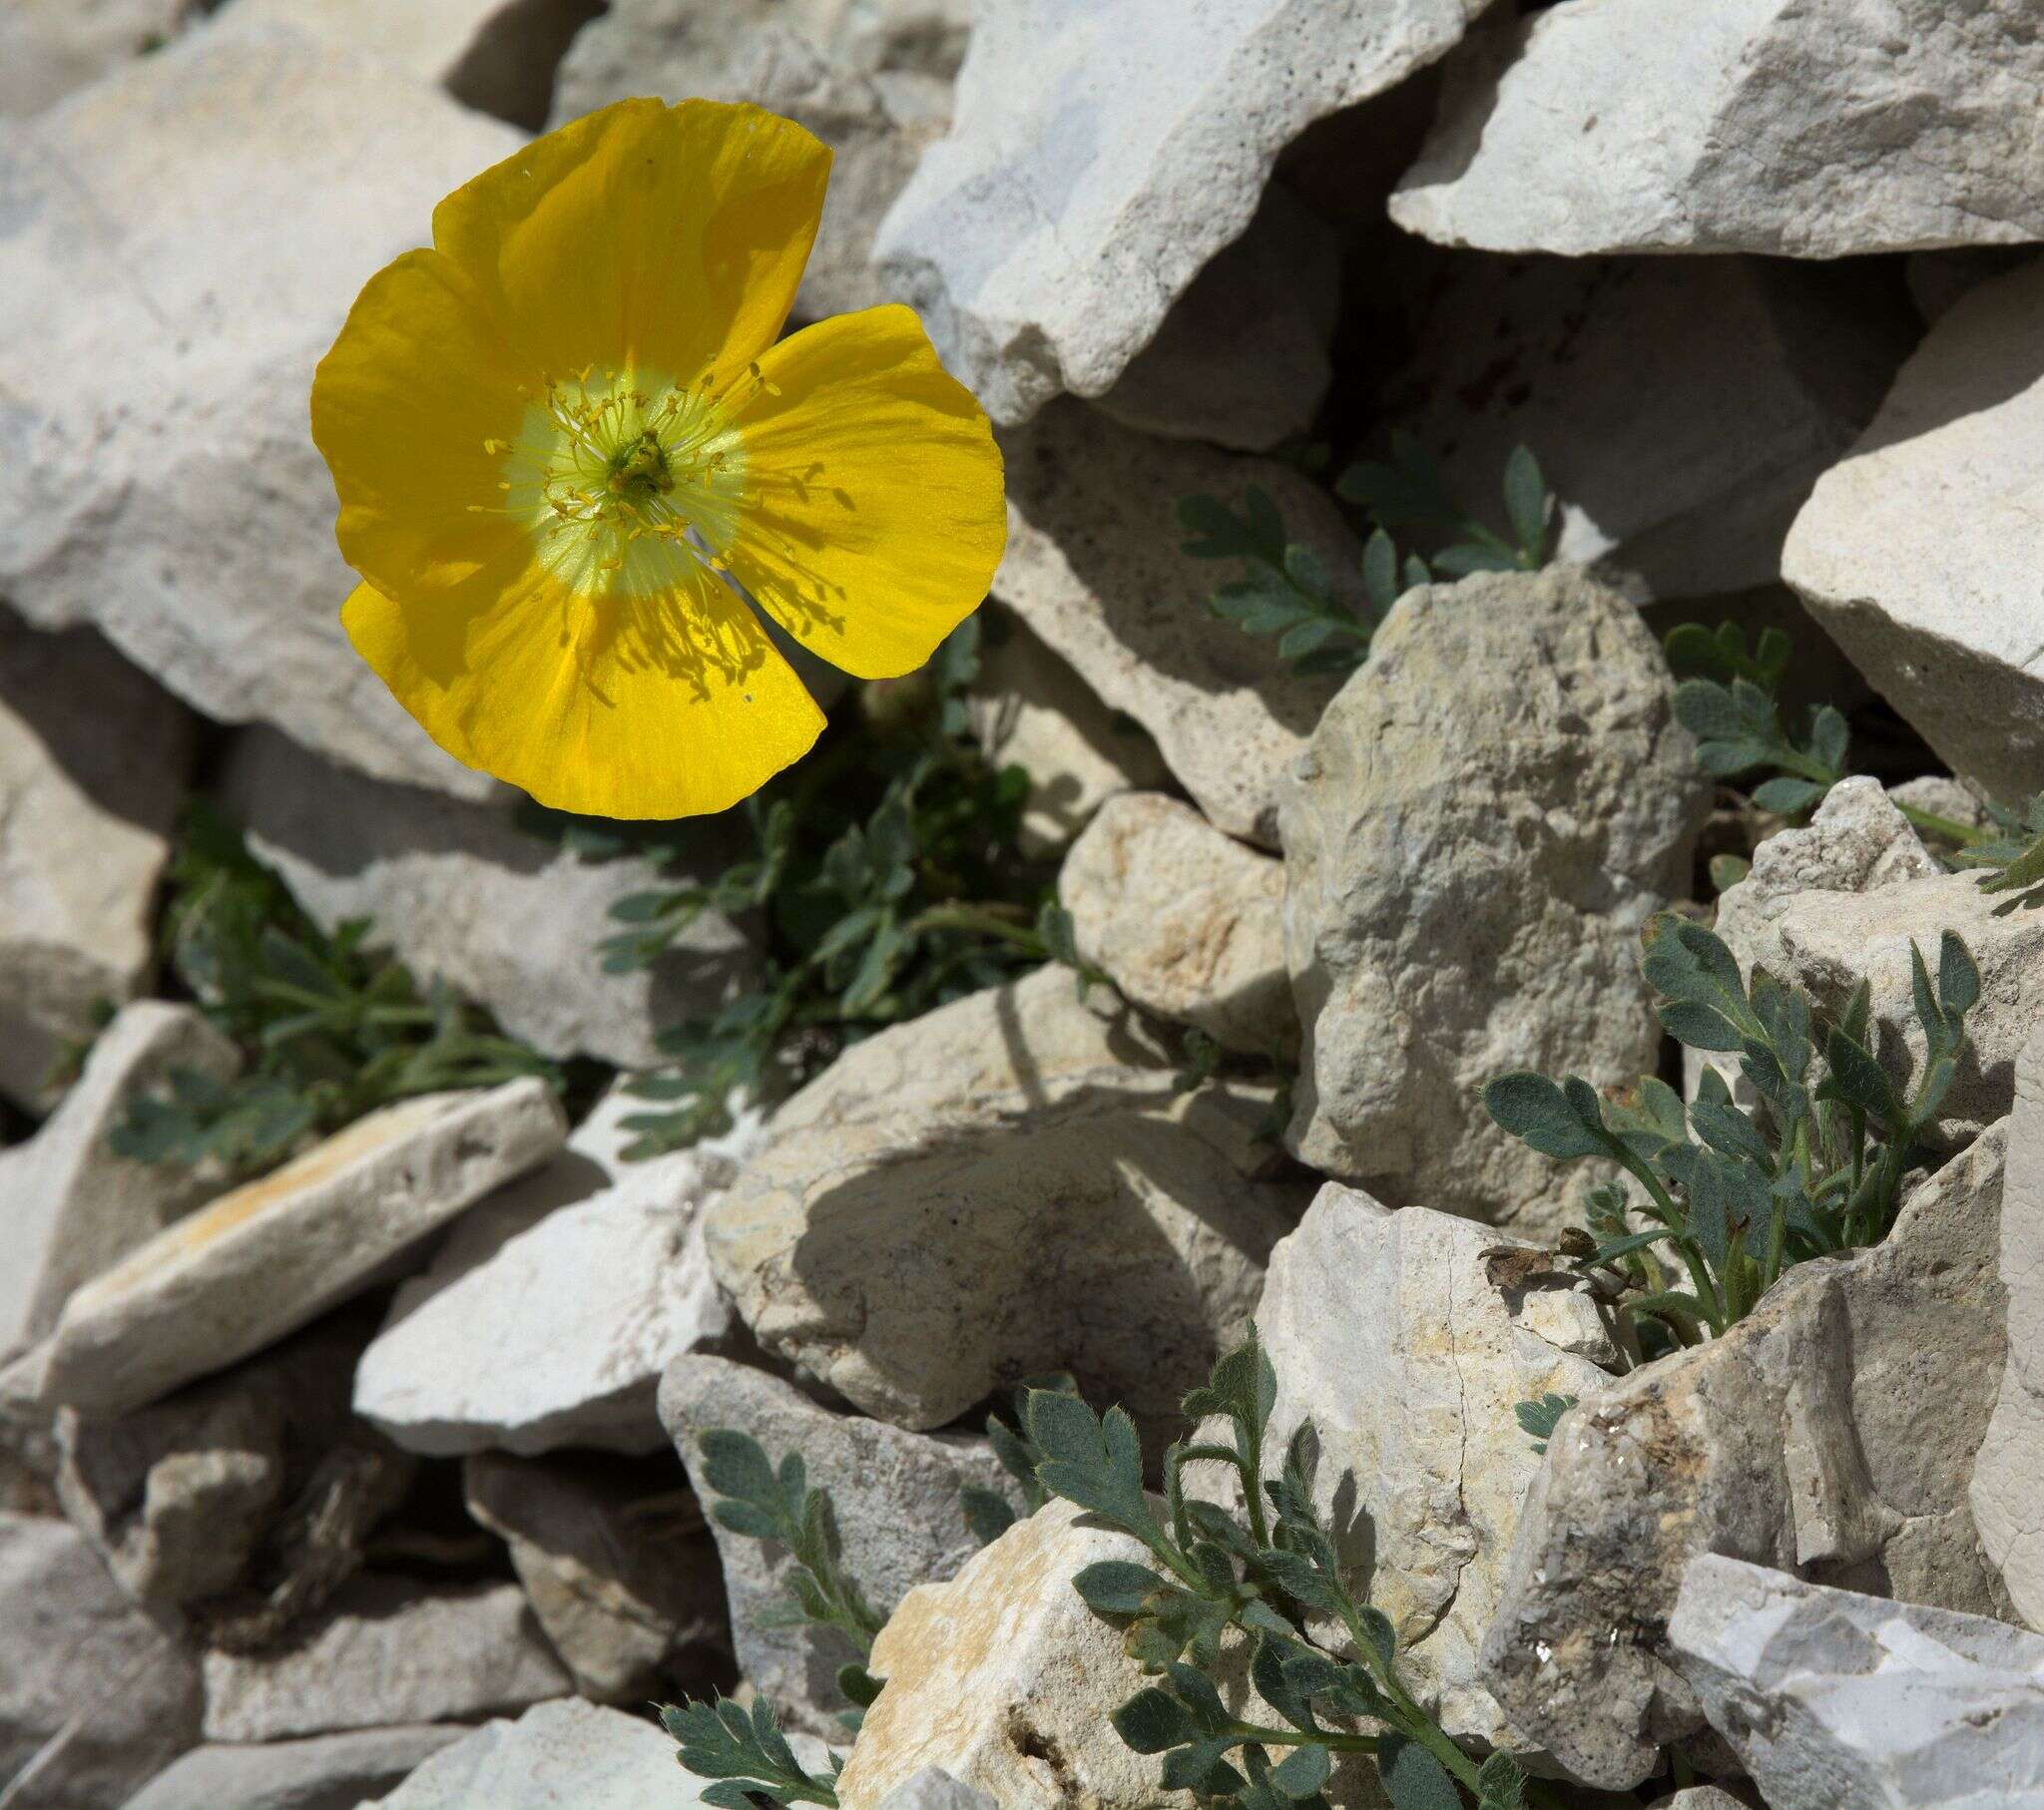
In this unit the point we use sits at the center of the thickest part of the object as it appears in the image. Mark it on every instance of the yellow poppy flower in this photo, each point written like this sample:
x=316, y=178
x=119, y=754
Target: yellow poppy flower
x=568, y=449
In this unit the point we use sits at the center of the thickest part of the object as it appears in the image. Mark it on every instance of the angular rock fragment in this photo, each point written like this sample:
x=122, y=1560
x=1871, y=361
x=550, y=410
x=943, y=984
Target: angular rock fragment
x=999, y=1676
x=461, y=892
x=1030, y=709
x=547, y=1317
x=1597, y=128
x=93, y=761
x=1833, y=1699
x=1918, y=551
x=271, y=1256
x=386, y=1653
x=1489, y=813
x=73, y=1206
x=1013, y=1183
x=895, y=1496
x=94, y=1696
x=1799, y=1440
x=1185, y=922
x=160, y=481
x=1093, y=567
x=1388, y=1334
x=615, y=1561
x=1048, y=237
x=934, y=1789
x=319, y=1772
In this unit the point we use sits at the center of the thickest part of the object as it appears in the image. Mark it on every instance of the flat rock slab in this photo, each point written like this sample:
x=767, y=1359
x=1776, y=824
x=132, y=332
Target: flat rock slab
x=165, y=293
x=384, y=1653
x=93, y=763
x=1919, y=551
x=1094, y=567
x=1798, y=129
x=320, y=1772
x=1079, y=193
x=73, y=1206
x=1833, y=1699
x=271, y=1256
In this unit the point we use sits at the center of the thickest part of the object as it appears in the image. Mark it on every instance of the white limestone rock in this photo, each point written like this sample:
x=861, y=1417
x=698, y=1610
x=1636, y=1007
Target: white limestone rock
x=94, y=1696
x=1048, y=237
x=1388, y=1335
x=1760, y=375
x=1030, y=709
x=1831, y=1432
x=50, y=47
x=92, y=762
x=1012, y=1183
x=319, y=1772
x=2004, y=1491
x=614, y=1561
x=268, y=1257
x=1490, y=812
x=548, y=1316
x=1920, y=551
x=73, y=1206
x=157, y=478
x=386, y=1653
x=1831, y=1699
x=1093, y=565
x=556, y=1754
x=935, y=1789
x=495, y=55
x=895, y=1498
x=1185, y=922
x=1777, y=126
x=461, y=891
x=1000, y=1677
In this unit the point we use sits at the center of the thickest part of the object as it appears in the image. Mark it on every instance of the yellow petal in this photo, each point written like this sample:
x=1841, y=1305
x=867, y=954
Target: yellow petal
x=653, y=706
x=411, y=409
x=873, y=516
x=643, y=236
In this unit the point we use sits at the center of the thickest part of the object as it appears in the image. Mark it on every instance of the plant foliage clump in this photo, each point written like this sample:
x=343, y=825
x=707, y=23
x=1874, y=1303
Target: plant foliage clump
x=330, y=1026
x=886, y=877
x=1736, y=1195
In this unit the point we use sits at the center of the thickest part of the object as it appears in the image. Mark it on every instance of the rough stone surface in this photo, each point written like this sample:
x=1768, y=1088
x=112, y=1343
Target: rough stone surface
x=1488, y=815
x=93, y=1697
x=73, y=1206
x=50, y=47
x=1833, y=1699
x=895, y=1494
x=1185, y=922
x=873, y=82
x=461, y=891
x=2005, y=1493
x=1030, y=709
x=1762, y=374
x=1010, y=1184
x=547, y=1317
x=1046, y=239
x=271, y=1256
x=384, y=1653
x=998, y=1677
x=496, y=55
x=321, y=1773
x=1388, y=1335
x=935, y=1789
x=1800, y=1440
x=1919, y=551
x=157, y=476
x=1776, y=125
x=1093, y=565
x=93, y=759
x=556, y=1754
x=615, y=1563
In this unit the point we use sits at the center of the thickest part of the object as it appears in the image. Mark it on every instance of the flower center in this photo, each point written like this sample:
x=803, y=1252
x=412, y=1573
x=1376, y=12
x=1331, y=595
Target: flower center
x=627, y=482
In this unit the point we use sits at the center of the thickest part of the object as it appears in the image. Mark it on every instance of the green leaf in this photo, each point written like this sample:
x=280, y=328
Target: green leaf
x=1152, y=1720
x=1858, y=1080
x=1413, y=1780
x=988, y=1514
x=1556, y=1122
x=1538, y=1418
x=1958, y=975
x=1114, y=1587
x=1500, y=1786
x=1301, y=1772
x=1526, y=504
x=1786, y=796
